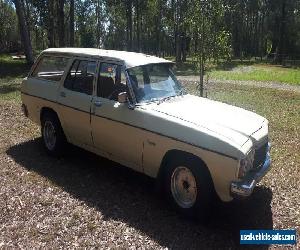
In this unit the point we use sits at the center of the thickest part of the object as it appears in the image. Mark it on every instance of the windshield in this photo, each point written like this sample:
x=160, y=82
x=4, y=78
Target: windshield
x=153, y=82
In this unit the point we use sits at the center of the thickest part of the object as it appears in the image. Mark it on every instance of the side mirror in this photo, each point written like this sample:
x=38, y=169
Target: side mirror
x=122, y=97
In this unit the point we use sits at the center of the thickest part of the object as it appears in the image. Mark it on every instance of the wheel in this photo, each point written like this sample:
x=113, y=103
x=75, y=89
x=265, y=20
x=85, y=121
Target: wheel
x=189, y=187
x=52, y=134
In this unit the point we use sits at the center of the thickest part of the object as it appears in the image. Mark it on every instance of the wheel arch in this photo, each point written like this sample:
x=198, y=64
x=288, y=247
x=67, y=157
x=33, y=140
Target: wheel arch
x=49, y=114
x=44, y=110
x=173, y=154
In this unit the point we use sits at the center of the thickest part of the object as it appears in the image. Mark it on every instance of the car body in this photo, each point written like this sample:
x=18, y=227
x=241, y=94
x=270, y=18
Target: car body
x=129, y=107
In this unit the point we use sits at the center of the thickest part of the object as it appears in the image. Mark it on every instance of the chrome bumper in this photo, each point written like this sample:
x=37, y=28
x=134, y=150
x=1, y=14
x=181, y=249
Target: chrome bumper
x=245, y=187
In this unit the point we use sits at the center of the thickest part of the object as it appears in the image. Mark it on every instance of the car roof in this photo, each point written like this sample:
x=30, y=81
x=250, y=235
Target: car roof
x=131, y=59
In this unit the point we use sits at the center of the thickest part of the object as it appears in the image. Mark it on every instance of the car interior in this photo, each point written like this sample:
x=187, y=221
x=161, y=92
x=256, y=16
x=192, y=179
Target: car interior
x=110, y=82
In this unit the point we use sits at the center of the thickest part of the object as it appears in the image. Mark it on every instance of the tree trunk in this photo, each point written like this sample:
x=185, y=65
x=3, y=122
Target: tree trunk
x=158, y=28
x=26, y=9
x=51, y=24
x=262, y=36
x=24, y=31
x=201, y=66
x=129, y=24
x=183, y=47
x=37, y=40
x=175, y=26
x=202, y=40
x=98, y=20
x=195, y=42
x=178, y=47
x=138, y=37
x=280, y=49
x=71, y=23
x=60, y=24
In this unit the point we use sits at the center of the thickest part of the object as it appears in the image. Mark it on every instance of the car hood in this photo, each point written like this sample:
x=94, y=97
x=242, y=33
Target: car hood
x=234, y=123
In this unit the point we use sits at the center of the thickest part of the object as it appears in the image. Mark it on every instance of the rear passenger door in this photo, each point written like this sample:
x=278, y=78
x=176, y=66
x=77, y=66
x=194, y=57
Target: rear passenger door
x=75, y=98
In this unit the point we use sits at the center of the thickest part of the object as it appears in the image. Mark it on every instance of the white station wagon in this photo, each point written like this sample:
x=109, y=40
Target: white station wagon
x=130, y=108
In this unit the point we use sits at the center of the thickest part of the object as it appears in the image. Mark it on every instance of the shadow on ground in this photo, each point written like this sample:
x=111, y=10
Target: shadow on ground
x=13, y=68
x=229, y=65
x=5, y=89
x=121, y=194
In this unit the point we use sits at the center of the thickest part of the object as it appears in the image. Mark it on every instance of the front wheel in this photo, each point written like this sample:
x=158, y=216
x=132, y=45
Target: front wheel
x=189, y=187
x=53, y=136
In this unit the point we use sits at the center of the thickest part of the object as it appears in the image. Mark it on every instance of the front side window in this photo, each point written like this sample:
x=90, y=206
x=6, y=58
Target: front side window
x=111, y=81
x=153, y=82
x=51, y=68
x=80, y=77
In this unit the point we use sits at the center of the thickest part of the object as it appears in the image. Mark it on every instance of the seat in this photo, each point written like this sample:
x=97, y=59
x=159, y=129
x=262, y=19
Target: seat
x=106, y=86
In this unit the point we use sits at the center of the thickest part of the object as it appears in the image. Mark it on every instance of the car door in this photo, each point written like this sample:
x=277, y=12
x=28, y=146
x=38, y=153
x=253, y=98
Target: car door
x=75, y=98
x=111, y=121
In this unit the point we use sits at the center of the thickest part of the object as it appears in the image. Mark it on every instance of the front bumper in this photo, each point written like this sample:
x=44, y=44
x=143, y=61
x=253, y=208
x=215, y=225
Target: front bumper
x=245, y=187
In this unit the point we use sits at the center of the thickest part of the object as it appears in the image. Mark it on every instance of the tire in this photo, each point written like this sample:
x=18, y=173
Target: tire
x=54, y=139
x=189, y=188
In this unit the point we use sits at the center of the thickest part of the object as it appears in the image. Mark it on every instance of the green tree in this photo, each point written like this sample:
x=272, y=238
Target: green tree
x=205, y=19
x=8, y=27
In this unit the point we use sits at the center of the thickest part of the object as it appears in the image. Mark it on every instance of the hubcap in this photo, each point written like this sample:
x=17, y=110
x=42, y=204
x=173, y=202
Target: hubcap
x=49, y=135
x=184, y=187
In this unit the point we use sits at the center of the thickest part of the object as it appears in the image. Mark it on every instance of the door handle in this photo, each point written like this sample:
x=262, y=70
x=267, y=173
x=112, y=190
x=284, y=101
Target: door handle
x=97, y=103
x=63, y=94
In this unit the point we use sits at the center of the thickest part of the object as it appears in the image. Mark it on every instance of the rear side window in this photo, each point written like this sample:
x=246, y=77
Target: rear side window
x=51, y=68
x=80, y=77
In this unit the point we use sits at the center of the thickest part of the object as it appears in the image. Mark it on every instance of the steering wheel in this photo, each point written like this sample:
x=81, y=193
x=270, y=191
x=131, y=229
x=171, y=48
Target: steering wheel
x=120, y=88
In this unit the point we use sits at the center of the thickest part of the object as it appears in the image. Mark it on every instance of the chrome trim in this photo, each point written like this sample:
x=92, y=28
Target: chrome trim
x=245, y=187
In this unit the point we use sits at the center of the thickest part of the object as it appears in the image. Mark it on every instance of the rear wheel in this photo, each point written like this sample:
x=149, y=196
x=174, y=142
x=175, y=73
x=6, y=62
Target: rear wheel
x=189, y=187
x=53, y=136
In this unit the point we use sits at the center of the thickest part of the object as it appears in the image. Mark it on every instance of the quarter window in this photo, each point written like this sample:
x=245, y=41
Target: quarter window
x=80, y=77
x=51, y=68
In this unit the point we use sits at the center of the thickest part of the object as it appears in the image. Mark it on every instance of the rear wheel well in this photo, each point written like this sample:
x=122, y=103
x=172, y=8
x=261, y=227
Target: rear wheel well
x=46, y=110
x=55, y=141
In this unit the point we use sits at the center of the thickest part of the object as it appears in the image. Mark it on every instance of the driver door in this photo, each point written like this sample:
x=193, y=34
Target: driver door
x=111, y=121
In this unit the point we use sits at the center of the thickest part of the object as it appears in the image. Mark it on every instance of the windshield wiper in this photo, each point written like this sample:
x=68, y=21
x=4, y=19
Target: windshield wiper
x=165, y=99
x=180, y=93
x=148, y=101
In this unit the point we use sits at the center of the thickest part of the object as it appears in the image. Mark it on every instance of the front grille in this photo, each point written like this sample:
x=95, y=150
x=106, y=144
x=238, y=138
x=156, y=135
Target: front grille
x=260, y=155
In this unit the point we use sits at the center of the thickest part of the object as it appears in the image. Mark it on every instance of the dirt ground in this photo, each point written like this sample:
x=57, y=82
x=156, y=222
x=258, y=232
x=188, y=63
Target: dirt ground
x=82, y=200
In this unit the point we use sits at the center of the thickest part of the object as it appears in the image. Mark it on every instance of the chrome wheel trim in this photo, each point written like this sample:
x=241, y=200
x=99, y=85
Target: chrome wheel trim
x=49, y=134
x=184, y=187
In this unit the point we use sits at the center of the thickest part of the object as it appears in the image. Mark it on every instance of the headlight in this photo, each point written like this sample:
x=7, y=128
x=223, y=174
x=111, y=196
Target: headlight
x=246, y=164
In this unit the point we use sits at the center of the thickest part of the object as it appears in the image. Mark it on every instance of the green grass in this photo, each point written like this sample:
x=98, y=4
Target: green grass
x=11, y=74
x=10, y=68
x=249, y=70
x=259, y=72
x=10, y=90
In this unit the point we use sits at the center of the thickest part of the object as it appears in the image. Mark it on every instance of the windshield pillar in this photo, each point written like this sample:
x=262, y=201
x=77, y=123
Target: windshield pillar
x=131, y=94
